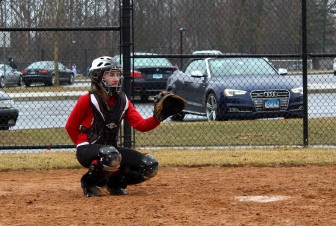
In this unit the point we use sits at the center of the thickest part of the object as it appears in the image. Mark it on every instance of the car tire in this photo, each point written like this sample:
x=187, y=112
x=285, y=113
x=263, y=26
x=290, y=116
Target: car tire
x=211, y=107
x=178, y=117
x=51, y=82
x=20, y=83
x=4, y=128
x=2, y=82
x=71, y=79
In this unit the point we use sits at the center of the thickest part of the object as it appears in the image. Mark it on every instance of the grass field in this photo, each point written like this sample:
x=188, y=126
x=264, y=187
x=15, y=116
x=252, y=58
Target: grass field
x=202, y=134
x=184, y=157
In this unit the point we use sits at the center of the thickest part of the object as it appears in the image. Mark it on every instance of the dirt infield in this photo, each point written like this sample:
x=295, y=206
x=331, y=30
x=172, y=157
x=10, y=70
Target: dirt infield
x=176, y=196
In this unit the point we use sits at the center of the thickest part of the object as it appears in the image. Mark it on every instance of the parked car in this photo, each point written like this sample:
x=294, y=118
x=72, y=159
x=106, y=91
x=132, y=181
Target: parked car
x=8, y=113
x=9, y=76
x=207, y=52
x=295, y=67
x=236, y=88
x=44, y=72
x=149, y=74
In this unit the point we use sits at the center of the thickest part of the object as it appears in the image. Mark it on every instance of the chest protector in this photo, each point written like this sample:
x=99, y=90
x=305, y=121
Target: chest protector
x=107, y=119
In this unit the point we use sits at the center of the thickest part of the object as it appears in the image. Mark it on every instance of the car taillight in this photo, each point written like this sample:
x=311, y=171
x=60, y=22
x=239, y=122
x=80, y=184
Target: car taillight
x=136, y=74
x=42, y=71
x=24, y=72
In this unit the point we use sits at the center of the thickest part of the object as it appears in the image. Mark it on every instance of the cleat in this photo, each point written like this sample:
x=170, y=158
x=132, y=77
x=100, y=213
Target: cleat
x=91, y=191
x=116, y=191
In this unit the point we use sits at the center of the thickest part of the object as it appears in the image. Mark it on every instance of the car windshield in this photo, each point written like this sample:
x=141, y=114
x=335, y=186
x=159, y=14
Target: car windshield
x=240, y=67
x=147, y=62
x=150, y=62
x=45, y=64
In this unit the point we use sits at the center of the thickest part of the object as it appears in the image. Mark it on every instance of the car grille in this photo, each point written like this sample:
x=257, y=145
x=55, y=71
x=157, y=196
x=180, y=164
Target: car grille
x=260, y=96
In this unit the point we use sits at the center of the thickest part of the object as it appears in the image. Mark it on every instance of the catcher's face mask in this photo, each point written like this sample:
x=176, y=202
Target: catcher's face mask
x=111, y=82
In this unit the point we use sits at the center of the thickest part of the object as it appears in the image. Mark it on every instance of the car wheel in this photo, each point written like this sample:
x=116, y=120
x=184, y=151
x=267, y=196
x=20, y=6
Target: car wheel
x=20, y=83
x=4, y=128
x=178, y=117
x=51, y=81
x=2, y=82
x=211, y=107
x=71, y=79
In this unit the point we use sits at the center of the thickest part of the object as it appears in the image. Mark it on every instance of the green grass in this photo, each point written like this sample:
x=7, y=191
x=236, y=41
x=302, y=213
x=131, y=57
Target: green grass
x=205, y=134
x=187, y=157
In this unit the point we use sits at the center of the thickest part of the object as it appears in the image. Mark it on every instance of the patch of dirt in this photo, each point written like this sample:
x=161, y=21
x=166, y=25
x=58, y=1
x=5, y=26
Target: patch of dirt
x=176, y=196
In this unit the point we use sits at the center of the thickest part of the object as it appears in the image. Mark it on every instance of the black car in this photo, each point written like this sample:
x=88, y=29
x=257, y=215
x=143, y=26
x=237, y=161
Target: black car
x=44, y=72
x=149, y=74
x=8, y=113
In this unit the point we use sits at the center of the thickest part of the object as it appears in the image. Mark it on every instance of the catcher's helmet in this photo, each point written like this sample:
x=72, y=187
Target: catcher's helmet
x=101, y=65
x=109, y=158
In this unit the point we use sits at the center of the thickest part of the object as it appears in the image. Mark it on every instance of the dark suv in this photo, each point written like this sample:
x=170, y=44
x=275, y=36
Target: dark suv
x=149, y=74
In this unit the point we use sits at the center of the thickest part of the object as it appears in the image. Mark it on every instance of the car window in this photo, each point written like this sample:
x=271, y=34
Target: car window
x=61, y=66
x=240, y=67
x=41, y=64
x=147, y=62
x=5, y=67
x=196, y=65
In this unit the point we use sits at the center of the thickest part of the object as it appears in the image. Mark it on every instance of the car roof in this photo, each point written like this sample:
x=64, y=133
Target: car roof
x=207, y=52
x=137, y=53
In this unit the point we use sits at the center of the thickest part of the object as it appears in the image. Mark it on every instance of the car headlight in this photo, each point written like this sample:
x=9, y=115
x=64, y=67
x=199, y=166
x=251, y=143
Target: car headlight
x=6, y=104
x=233, y=92
x=298, y=90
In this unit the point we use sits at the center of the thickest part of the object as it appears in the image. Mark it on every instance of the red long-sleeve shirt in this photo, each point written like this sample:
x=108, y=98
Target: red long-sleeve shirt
x=82, y=114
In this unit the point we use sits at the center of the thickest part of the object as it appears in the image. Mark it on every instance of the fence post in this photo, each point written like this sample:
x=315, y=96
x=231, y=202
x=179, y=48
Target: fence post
x=126, y=53
x=304, y=72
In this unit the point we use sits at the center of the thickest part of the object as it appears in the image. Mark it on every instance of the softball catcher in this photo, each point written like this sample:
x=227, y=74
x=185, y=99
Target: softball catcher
x=93, y=126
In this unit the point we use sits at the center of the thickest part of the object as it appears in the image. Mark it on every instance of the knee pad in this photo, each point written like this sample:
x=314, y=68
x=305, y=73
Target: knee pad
x=147, y=169
x=109, y=158
x=149, y=166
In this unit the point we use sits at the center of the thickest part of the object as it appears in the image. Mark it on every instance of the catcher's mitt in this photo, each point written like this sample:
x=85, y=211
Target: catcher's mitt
x=167, y=104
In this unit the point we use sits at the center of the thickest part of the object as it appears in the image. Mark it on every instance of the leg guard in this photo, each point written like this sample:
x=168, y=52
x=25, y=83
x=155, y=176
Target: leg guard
x=117, y=183
x=147, y=169
x=93, y=178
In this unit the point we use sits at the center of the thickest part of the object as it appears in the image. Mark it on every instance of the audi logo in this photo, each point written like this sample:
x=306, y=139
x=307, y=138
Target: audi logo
x=270, y=94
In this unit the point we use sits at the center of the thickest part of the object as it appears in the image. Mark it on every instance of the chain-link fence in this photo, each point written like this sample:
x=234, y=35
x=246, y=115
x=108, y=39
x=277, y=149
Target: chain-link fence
x=254, y=73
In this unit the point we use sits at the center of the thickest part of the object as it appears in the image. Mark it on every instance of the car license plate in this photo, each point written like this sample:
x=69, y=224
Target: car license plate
x=157, y=76
x=272, y=103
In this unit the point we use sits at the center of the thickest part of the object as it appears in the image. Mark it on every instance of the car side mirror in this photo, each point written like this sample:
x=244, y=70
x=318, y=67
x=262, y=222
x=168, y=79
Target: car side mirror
x=283, y=71
x=197, y=74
